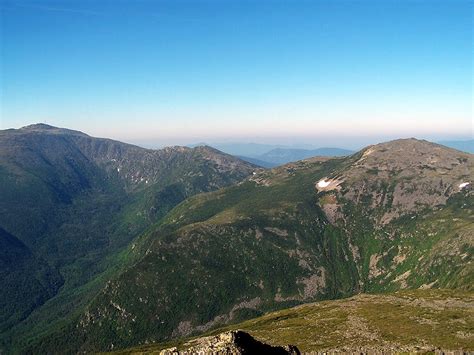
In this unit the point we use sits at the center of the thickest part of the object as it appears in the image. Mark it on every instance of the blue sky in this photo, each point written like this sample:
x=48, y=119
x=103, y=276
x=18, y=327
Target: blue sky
x=271, y=71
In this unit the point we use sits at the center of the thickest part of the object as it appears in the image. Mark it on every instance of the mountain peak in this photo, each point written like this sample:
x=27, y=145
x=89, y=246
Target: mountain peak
x=410, y=151
x=38, y=127
x=46, y=128
x=402, y=143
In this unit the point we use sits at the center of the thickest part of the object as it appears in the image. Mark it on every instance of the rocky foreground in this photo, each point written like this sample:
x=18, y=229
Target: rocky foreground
x=230, y=343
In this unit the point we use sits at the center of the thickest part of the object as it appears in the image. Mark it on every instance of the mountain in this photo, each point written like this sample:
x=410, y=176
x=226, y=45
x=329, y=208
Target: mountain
x=257, y=162
x=280, y=156
x=243, y=149
x=397, y=215
x=464, y=146
x=71, y=203
x=417, y=321
x=269, y=156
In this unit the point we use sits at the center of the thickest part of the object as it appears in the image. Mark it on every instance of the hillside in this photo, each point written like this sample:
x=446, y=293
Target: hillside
x=394, y=216
x=27, y=281
x=406, y=321
x=71, y=203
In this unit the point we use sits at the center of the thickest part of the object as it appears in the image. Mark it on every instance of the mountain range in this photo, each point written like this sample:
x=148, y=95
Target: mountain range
x=111, y=245
x=270, y=156
x=280, y=156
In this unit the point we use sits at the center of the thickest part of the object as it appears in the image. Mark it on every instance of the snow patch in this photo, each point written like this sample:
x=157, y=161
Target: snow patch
x=329, y=184
x=463, y=185
x=323, y=183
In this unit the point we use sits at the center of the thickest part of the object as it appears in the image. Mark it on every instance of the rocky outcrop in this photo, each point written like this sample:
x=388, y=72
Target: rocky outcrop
x=230, y=343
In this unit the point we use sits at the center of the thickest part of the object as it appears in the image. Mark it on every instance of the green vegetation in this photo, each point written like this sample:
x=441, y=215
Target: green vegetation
x=69, y=207
x=38, y=281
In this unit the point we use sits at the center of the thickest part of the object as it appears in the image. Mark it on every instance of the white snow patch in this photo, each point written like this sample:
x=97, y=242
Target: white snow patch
x=328, y=185
x=463, y=185
x=323, y=183
x=118, y=169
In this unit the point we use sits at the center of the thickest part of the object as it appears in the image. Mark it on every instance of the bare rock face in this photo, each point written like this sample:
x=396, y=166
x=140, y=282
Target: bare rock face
x=230, y=343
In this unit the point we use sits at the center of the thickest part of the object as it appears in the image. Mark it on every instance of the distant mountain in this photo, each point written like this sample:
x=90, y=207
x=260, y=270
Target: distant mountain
x=464, y=146
x=280, y=156
x=241, y=149
x=71, y=203
x=393, y=216
x=258, y=162
x=269, y=156
x=252, y=150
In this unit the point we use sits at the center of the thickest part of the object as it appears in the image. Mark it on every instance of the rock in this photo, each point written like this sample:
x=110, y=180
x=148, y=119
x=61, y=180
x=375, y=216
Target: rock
x=230, y=343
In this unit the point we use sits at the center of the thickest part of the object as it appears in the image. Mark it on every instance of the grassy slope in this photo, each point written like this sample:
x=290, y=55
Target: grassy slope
x=401, y=321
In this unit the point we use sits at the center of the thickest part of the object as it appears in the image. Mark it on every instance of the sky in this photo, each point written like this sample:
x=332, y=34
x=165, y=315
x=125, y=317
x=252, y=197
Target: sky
x=328, y=72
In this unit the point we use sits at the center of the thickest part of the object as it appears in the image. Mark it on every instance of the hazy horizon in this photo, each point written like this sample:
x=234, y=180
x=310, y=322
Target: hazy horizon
x=354, y=144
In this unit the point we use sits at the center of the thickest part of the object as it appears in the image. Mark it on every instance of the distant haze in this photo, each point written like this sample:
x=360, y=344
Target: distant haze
x=252, y=146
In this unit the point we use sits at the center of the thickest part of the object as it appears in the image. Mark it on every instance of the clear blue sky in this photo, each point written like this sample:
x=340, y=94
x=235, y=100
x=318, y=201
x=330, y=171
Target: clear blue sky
x=182, y=71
